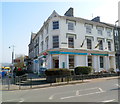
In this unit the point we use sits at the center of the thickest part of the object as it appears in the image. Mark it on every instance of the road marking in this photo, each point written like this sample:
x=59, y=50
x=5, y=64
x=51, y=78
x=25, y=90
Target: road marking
x=51, y=97
x=79, y=95
x=89, y=89
x=117, y=85
x=106, y=101
x=22, y=100
x=11, y=100
x=77, y=92
x=100, y=90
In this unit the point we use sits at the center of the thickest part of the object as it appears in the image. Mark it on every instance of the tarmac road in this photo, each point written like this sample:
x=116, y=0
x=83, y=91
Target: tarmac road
x=94, y=91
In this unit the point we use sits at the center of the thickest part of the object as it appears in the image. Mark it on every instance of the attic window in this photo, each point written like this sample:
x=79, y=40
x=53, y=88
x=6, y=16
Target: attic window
x=55, y=25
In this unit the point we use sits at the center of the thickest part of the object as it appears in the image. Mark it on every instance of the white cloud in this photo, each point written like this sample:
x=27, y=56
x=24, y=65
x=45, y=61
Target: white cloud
x=108, y=12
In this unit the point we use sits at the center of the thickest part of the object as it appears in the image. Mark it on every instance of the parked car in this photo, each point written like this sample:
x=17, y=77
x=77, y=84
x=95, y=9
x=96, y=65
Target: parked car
x=6, y=70
x=2, y=74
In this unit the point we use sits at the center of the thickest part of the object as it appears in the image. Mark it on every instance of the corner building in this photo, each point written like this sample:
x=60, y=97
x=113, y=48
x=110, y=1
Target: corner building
x=68, y=41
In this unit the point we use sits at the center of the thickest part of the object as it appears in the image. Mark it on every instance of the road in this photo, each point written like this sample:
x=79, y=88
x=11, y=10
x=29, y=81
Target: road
x=93, y=91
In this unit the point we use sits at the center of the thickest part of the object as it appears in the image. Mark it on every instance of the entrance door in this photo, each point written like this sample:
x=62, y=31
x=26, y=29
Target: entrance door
x=55, y=62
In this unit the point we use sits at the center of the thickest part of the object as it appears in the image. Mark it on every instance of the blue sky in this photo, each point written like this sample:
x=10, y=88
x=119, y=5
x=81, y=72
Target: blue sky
x=19, y=19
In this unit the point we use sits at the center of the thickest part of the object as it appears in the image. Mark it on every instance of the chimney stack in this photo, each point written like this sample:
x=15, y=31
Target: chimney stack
x=69, y=12
x=96, y=19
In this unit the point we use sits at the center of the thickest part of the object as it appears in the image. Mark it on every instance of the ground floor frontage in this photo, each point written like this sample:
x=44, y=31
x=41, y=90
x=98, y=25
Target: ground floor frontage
x=66, y=58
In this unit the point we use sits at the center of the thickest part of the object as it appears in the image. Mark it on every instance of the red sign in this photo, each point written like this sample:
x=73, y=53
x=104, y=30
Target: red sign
x=44, y=53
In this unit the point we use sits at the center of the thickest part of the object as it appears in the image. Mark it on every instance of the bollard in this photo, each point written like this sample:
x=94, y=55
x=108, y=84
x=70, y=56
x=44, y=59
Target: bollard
x=82, y=77
x=31, y=83
x=8, y=84
x=19, y=83
x=51, y=84
x=68, y=79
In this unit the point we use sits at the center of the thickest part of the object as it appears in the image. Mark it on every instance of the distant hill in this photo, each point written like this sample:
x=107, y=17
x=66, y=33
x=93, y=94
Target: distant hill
x=5, y=64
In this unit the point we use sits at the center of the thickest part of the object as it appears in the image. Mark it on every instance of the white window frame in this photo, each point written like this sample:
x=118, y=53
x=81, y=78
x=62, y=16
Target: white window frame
x=102, y=66
x=100, y=47
x=73, y=62
x=70, y=46
x=55, y=41
x=89, y=43
x=88, y=28
x=55, y=25
x=109, y=45
x=90, y=62
x=71, y=26
x=100, y=30
x=109, y=32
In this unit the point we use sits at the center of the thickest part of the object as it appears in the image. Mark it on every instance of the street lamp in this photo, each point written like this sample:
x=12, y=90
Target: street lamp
x=12, y=59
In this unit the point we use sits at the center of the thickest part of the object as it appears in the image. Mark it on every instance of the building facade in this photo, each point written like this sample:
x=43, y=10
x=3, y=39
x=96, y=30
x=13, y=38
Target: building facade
x=68, y=41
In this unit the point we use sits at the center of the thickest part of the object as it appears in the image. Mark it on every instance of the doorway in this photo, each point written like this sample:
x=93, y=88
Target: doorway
x=55, y=62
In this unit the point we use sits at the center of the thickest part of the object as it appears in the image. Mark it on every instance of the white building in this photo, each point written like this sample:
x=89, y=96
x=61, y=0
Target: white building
x=68, y=41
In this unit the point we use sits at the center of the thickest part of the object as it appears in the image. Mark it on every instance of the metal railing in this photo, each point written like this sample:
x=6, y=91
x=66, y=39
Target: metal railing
x=23, y=82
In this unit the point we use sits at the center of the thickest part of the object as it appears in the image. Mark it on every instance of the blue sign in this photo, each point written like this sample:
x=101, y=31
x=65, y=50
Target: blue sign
x=36, y=61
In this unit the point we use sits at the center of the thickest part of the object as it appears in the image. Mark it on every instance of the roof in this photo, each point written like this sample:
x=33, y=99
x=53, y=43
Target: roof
x=88, y=21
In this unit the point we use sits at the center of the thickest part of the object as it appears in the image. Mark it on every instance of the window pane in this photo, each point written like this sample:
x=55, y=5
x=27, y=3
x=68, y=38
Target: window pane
x=109, y=45
x=101, y=62
x=89, y=44
x=88, y=30
x=100, y=32
x=100, y=45
x=89, y=60
x=70, y=26
x=56, y=25
x=71, y=42
x=71, y=61
x=55, y=41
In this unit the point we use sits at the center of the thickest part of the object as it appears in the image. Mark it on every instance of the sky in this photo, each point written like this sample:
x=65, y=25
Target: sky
x=20, y=18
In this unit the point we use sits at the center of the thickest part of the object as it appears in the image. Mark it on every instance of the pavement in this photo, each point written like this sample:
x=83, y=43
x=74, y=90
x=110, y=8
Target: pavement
x=38, y=82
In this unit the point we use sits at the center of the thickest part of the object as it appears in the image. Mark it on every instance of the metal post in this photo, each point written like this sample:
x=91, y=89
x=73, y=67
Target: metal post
x=31, y=83
x=12, y=60
x=8, y=84
x=19, y=82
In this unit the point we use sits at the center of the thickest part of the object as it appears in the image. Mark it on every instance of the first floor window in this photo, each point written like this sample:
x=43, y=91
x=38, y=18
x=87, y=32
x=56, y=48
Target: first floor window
x=55, y=41
x=70, y=42
x=42, y=46
x=101, y=62
x=89, y=44
x=71, y=61
x=89, y=60
x=109, y=45
x=100, y=45
x=47, y=42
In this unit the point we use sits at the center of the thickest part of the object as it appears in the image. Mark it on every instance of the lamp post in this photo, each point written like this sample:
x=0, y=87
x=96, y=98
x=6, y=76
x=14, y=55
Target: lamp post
x=12, y=59
x=117, y=47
